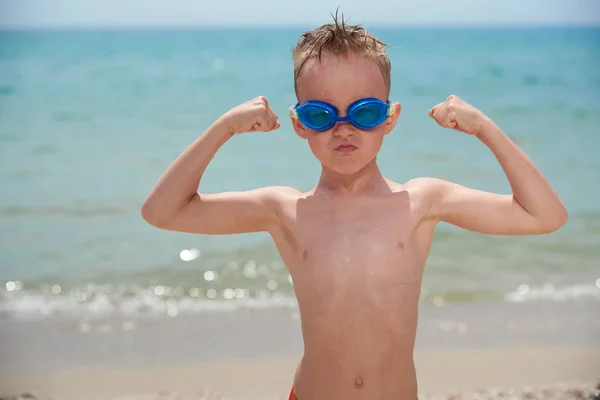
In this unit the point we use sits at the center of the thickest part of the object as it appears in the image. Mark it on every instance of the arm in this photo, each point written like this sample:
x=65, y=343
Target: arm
x=533, y=208
x=174, y=203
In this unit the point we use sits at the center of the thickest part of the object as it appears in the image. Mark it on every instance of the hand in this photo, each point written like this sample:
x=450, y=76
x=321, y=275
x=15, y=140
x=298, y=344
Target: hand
x=457, y=114
x=252, y=116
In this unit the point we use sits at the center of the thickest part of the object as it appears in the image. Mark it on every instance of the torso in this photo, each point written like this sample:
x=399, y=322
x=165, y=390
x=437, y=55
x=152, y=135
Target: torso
x=356, y=264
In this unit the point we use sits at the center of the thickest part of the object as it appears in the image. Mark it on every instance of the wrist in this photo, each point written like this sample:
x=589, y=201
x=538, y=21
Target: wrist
x=487, y=128
x=225, y=126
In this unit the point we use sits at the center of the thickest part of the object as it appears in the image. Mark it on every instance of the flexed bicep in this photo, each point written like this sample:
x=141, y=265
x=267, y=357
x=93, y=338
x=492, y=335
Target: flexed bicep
x=480, y=211
x=225, y=213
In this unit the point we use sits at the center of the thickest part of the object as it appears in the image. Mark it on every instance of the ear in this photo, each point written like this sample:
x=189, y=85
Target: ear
x=390, y=123
x=299, y=128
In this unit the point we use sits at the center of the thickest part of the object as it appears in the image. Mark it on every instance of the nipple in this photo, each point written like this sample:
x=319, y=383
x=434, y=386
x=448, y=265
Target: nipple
x=358, y=382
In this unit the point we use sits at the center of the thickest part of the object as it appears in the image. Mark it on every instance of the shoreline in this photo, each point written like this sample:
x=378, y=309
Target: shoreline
x=112, y=341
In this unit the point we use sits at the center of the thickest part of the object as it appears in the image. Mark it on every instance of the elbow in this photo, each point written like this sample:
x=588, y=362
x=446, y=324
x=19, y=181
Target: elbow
x=561, y=218
x=160, y=214
x=151, y=215
x=147, y=214
x=555, y=221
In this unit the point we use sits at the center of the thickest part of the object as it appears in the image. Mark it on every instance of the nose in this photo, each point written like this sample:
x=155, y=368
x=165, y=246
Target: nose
x=343, y=129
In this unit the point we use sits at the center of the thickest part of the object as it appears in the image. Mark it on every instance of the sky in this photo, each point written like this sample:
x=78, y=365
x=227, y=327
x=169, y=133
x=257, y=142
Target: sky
x=201, y=13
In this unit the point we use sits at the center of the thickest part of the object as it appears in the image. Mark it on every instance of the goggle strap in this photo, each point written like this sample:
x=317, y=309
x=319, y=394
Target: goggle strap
x=391, y=110
x=293, y=112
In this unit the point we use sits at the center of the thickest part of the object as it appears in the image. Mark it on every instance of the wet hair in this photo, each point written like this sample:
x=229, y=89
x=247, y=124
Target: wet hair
x=340, y=39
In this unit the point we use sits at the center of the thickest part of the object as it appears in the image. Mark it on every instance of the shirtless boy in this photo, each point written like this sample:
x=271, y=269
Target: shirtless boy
x=356, y=244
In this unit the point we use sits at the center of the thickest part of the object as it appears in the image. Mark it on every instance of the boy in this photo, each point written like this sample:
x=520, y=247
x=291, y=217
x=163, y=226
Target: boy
x=356, y=244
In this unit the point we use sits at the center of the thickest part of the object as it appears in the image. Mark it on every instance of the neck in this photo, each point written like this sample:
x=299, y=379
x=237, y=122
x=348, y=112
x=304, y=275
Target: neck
x=366, y=180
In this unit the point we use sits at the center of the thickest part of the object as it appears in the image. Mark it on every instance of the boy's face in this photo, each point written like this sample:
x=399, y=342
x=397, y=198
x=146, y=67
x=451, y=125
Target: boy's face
x=340, y=81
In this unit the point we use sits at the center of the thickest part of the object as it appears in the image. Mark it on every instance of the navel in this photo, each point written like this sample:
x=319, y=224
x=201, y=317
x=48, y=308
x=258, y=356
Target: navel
x=400, y=246
x=358, y=382
x=305, y=254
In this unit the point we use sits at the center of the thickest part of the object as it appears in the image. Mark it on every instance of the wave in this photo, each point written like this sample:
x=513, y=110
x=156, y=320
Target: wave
x=92, y=301
x=63, y=212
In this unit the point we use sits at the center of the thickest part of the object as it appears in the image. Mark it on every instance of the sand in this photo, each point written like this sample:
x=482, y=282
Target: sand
x=489, y=351
x=564, y=373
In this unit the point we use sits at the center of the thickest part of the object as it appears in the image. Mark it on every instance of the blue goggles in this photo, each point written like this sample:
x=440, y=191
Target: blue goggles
x=364, y=114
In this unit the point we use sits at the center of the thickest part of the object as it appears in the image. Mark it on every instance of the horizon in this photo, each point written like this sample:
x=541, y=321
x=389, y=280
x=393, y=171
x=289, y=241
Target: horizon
x=186, y=14
x=231, y=27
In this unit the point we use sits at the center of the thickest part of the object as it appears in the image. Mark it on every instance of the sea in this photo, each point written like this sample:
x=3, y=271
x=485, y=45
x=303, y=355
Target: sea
x=90, y=119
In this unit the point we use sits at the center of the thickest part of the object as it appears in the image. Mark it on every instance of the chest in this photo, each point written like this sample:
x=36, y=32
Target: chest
x=356, y=234
x=353, y=234
x=340, y=250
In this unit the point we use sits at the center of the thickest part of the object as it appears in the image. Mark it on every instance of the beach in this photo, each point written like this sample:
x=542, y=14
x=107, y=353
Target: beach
x=444, y=375
x=253, y=355
x=97, y=304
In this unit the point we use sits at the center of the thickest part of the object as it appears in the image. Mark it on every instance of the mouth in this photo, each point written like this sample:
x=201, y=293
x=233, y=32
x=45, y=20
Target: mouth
x=346, y=148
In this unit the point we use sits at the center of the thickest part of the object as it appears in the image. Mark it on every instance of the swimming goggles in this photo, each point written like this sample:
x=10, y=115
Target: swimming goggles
x=364, y=114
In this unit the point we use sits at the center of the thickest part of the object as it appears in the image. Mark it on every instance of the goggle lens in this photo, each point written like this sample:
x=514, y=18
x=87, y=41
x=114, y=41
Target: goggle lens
x=368, y=115
x=318, y=117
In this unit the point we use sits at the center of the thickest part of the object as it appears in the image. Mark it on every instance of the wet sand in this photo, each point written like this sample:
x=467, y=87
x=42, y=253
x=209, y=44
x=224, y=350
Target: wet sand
x=537, y=351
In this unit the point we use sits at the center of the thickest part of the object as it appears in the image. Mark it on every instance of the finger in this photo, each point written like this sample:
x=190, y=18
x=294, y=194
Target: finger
x=440, y=116
x=273, y=123
x=434, y=109
x=262, y=99
x=446, y=122
x=272, y=116
x=452, y=123
x=263, y=126
x=267, y=125
x=271, y=126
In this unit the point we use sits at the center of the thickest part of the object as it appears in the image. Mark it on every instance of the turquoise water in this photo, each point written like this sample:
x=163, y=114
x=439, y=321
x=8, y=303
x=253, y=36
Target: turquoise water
x=90, y=120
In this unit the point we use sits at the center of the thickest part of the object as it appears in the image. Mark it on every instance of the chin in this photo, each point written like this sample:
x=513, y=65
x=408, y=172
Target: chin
x=348, y=166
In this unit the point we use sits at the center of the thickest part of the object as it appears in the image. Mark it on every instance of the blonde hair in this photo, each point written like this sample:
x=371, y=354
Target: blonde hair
x=340, y=39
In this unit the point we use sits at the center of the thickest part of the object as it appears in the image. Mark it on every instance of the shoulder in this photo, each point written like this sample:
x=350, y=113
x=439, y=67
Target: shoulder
x=418, y=188
x=421, y=186
x=429, y=187
x=278, y=195
x=429, y=192
x=282, y=201
x=425, y=182
x=280, y=192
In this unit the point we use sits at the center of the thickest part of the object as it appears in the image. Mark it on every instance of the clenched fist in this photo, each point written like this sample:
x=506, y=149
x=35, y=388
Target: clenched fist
x=252, y=116
x=455, y=113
